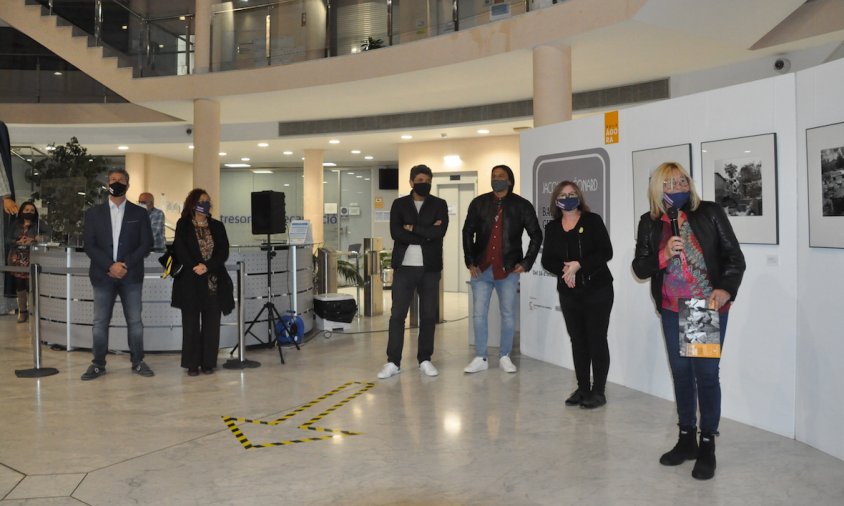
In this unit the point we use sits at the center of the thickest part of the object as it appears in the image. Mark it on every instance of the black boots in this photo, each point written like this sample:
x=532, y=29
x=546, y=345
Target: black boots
x=595, y=399
x=576, y=397
x=685, y=449
x=705, y=466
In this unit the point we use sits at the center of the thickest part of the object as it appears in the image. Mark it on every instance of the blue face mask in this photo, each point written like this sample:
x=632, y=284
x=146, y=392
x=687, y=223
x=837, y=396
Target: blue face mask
x=568, y=203
x=678, y=199
x=499, y=185
x=203, y=207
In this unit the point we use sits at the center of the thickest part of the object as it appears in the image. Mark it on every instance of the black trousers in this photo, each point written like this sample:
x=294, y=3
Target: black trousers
x=406, y=281
x=201, y=335
x=587, y=316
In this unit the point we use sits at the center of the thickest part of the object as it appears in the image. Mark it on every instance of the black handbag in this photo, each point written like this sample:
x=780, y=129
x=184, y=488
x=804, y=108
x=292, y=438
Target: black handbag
x=172, y=267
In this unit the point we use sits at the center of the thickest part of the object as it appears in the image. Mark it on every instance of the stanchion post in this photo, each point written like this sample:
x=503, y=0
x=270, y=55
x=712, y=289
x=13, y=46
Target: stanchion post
x=241, y=362
x=35, y=290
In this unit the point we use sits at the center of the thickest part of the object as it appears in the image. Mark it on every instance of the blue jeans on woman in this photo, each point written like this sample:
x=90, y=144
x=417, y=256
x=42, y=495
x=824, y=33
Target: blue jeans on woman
x=507, y=288
x=696, y=381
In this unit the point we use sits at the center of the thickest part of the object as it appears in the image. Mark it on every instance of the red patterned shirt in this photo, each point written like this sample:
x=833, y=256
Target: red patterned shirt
x=493, y=255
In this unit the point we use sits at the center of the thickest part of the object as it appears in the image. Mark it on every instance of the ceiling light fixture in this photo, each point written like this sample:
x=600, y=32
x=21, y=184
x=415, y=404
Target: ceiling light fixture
x=406, y=137
x=245, y=159
x=222, y=153
x=263, y=145
x=57, y=73
x=236, y=165
x=288, y=153
x=355, y=151
x=122, y=148
x=483, y=131
x=262, y=171
x=329, y=164
x=334, y=141
x=368, y=157
x=191, y=146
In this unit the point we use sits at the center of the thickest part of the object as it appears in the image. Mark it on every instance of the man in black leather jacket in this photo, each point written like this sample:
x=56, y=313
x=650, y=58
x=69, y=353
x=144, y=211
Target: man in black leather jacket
x=492, y=247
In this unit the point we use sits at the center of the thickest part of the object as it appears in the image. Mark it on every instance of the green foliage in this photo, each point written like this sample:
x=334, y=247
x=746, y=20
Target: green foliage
x=370, y=44
x=349, y=273
x=70, y=181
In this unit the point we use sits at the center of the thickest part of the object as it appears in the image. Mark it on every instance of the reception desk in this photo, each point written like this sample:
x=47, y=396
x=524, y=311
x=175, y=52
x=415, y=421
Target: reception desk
x=67, y=302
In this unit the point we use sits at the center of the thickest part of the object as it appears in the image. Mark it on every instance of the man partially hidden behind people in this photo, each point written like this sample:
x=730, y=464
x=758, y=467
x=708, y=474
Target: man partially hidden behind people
x=418, y=223
x=117, y=239
x=492, y=247
x=156, y=220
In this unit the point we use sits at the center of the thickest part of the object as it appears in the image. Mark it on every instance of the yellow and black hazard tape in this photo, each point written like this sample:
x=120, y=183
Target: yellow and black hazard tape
x=232, y=422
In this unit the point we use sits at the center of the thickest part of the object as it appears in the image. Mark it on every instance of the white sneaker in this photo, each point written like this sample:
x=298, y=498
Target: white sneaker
x=506, y=364
x=428, y=368
x=389, y=369
x=477, y=364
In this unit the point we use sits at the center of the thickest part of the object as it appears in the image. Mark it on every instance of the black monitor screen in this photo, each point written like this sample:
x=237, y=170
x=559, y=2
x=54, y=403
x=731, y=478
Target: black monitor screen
x=388, y=179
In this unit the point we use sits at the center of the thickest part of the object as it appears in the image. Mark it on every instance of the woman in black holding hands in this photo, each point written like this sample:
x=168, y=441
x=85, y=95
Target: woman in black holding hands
x=203, y=290
x=577, y=248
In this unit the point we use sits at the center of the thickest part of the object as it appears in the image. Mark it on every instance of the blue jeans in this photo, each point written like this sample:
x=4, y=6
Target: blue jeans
x=696, y=381
x=130, y=297
x=482, y=287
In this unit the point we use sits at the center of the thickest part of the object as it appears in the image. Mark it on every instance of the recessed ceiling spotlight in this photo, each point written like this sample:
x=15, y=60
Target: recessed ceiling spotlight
x=355, y=151
x=222, y=153
x=406, y=136
x=263, y=145
x=122, y=148
x=57, y=73
x=245, y=159
x=286, y=184
x=334, y=141
x=329, y=164
x=483, y=131
x=368, y=157
x=181, y=18
x=124, y=27
x=350, y=173
x=288, y=153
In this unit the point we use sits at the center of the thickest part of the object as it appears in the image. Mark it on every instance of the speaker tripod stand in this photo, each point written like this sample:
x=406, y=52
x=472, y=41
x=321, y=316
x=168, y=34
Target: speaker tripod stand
x=273, y=314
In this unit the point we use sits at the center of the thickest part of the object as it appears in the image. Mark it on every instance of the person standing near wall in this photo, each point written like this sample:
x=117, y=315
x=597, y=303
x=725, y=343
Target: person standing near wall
x=418, y=223
x=117, y=239
x=492, y=249
x=692, y=254
x=156, y=220
x=577, y=249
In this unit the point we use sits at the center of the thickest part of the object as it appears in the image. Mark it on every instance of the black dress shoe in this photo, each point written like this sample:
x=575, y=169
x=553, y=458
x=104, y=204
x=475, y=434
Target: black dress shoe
x=594, y=400
x=193, y=372
x=576, y=398
x=207, y=370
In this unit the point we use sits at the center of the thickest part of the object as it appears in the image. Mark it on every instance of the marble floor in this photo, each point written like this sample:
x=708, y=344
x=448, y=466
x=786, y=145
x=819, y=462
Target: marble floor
x=487, y=439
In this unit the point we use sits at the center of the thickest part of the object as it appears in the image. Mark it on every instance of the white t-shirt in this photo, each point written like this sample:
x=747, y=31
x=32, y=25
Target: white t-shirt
x=413, y=255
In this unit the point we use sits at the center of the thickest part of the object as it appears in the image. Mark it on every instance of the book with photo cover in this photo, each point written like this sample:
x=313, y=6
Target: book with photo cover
x=700, y=329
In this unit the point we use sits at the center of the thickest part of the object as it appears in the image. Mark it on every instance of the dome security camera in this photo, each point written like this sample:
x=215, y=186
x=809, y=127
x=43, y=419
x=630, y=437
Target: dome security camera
x=189, y=131
x=782, y=65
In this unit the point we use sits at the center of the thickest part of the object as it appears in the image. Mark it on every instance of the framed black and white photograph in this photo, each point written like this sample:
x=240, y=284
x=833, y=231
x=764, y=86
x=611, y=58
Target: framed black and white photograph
x=825, y=165
x=645, y=162
x=741, y=176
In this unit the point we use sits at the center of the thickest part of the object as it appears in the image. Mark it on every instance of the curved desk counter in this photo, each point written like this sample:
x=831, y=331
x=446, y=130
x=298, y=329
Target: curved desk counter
x=66, y=297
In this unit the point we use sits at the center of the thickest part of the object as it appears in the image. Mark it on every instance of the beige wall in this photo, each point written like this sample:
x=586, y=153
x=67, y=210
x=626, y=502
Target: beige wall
x=477, y=155
x=169, y=181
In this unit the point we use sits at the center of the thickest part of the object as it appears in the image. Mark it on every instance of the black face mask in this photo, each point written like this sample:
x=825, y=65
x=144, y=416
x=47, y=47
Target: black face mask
x=29, y=216
x=422, y=189
x=117, y=189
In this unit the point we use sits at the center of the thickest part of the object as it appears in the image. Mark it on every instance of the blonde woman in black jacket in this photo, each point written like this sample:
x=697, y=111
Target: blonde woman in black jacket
x=204, y=289
x=577, y=248
x=687, y=248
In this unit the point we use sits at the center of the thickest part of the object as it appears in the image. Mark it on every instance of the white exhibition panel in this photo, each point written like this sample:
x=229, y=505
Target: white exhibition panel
x=820, y=275
x=758, y=369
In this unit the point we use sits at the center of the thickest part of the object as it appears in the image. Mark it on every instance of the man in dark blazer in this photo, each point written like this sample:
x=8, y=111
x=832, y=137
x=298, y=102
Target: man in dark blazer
x=117, y=239
x=418, y=223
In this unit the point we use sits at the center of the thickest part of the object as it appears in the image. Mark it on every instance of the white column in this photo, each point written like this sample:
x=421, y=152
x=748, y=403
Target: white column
x=206, y=151
x=202, y=37
x=551, y=85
